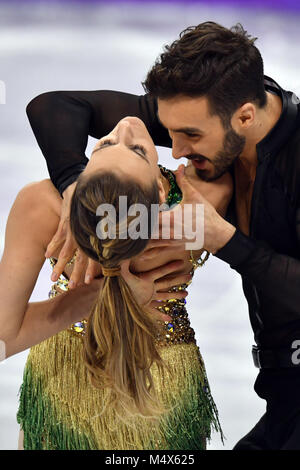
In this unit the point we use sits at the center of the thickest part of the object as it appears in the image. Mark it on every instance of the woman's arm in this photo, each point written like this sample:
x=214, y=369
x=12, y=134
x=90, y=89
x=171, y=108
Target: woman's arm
x=22, y=259
x=63, y=120
x=47, y=318
x=31, y=223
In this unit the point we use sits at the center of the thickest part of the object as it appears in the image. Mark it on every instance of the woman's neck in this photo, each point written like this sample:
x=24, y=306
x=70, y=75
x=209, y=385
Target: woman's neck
x=165, y=183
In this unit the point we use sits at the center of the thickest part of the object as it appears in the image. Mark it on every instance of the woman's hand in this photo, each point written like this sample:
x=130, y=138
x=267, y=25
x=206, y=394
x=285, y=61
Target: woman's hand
x=150, y=287
x=64, y=241
x=63, y=238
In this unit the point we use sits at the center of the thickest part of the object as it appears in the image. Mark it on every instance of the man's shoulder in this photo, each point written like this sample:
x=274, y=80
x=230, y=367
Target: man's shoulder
x=287, y=165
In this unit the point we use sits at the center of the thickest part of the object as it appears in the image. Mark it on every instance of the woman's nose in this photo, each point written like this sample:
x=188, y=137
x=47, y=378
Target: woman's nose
x=125, y=132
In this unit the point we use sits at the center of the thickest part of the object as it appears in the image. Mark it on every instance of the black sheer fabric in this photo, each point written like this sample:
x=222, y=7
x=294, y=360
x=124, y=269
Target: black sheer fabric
x=63, y=120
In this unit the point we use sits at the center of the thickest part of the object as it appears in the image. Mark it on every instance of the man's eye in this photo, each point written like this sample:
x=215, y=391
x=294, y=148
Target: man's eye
x=191, y=135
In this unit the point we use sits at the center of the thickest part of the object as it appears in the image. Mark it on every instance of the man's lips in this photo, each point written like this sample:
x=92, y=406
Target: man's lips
x=199, y=163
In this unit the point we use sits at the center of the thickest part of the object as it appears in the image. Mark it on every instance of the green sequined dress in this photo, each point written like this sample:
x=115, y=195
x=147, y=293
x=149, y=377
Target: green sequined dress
x=60, y=410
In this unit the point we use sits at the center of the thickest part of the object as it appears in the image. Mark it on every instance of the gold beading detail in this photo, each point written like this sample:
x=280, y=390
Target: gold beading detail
x=176, y=331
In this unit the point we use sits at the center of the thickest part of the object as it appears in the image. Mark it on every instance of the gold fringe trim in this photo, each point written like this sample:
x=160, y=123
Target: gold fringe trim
x=57, y=379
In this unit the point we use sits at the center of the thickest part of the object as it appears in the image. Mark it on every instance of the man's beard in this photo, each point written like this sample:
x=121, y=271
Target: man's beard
x=233, y=145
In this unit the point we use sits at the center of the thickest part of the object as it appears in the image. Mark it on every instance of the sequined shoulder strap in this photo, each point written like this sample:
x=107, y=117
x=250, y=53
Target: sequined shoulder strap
x=175, y=194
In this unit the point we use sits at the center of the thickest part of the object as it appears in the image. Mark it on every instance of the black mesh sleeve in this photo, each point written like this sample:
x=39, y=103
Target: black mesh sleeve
x=63, y=120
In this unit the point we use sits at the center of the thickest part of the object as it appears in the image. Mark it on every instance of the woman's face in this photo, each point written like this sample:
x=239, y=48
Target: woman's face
x=128, y=150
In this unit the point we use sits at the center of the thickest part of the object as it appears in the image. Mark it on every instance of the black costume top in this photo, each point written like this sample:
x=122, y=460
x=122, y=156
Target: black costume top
x=269, y=259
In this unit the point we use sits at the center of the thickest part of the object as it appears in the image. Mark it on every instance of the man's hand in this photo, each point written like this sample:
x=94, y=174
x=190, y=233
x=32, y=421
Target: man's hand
x=150, y=288
x=216, y=231
x=84, y=268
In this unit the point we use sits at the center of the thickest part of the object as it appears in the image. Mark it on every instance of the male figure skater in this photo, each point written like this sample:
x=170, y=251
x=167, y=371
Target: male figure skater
x=207, y=97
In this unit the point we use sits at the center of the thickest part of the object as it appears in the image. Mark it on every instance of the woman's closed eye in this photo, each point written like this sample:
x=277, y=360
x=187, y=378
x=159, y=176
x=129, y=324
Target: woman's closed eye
x=105, y=143
x=137, y=148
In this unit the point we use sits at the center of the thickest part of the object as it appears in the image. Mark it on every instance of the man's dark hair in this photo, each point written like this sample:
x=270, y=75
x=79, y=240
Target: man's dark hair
x=210, y=60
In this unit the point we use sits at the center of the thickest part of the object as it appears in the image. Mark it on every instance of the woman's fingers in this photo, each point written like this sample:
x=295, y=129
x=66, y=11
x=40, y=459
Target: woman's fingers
x=93, y=269
x=65, y=255
x=79, y=268
x=57, y=242
x=62, y=234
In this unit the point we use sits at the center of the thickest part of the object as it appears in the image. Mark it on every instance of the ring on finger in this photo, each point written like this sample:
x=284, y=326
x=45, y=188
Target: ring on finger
x=73, y=258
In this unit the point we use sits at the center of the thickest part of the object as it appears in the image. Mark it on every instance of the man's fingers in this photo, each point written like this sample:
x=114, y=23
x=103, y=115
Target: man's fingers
x=158, y=243
x=149, y=254
x=160, y=316
x=173, y=281
x=170, y=295
x=189, y=193
x=164, y=270
x=157, y=303
x=155, y=253
x=181, y=179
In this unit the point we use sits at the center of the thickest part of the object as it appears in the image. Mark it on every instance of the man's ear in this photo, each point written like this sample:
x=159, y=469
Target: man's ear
x=244, y=117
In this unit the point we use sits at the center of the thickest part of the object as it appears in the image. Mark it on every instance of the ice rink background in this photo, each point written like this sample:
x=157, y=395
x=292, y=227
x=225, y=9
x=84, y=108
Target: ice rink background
x=73, y=46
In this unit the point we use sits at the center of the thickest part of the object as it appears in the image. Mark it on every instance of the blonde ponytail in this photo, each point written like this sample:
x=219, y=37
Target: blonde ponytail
x=120, y=344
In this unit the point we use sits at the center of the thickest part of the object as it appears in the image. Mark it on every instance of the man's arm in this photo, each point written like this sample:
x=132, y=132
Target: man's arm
x=276, y=275
x=63, y=120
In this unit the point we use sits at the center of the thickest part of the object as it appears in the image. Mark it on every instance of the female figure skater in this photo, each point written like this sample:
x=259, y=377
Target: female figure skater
x=117, y=379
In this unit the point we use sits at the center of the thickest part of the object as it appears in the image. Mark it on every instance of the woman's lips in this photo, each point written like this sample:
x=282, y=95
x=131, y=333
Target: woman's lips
x=199, y=164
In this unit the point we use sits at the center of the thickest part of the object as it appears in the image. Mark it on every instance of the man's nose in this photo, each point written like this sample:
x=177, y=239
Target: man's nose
x=179, y=149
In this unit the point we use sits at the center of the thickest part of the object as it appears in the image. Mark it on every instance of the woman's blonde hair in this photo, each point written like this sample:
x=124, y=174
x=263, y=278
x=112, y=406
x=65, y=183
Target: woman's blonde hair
x=119, y=342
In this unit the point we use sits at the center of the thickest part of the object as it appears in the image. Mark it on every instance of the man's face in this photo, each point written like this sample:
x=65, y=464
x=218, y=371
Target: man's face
x=198, y=136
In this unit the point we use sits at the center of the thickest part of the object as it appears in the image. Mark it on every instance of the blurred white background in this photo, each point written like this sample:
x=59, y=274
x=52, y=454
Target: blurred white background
x=91, y=47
